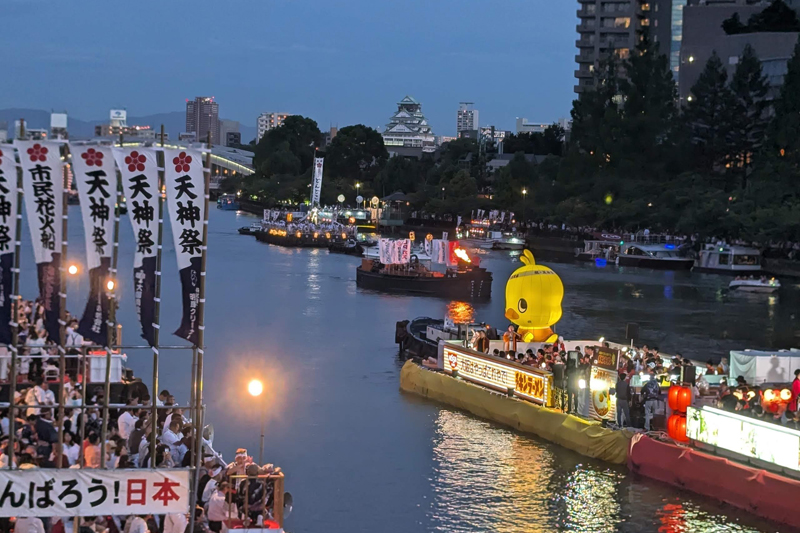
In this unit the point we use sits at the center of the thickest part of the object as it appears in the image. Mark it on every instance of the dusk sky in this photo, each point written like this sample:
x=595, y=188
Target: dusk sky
x=336, y=61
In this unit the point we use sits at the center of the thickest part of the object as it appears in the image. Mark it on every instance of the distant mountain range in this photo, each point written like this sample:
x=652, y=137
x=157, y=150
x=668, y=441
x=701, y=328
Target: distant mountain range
x=174, y=123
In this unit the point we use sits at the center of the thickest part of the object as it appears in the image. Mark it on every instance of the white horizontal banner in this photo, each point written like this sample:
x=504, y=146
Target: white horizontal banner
x=91, y=492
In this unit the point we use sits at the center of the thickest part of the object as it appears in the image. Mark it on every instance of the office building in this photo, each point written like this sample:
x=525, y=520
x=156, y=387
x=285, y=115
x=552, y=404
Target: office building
x=703, y=34
x=233, y=138
x=466, y=118
x=202, y=118
x=408, y=127
x=226, y=127
x=523, y=126
x=607, y=27
x=118, y=125
x=268, y=121
x=32, y=134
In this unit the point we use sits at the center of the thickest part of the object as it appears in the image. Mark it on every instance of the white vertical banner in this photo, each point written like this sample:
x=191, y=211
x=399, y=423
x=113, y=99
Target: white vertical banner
x=138, y=168
x=43, y=185
x=96, y=178
x=502, y=216
x=185, y=183
x=8, y=233
x=266, y=216
x=316, y=187
x=385, y=251
x=403, y=251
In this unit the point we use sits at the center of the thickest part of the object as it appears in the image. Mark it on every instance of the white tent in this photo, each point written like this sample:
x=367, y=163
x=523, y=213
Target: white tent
x=759, y=367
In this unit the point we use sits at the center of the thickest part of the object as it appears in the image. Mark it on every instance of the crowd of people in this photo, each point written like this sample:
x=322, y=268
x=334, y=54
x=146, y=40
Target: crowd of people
x=29, y=439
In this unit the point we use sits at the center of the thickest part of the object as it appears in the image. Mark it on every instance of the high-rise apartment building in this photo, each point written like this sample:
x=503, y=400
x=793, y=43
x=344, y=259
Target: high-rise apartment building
x=202, y=117
x=607, y=27
x=268, y=121
x=466, y=118
x=226, y=127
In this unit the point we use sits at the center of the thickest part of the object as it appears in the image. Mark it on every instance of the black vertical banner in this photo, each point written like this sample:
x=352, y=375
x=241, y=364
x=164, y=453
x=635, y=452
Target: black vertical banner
x=43, y=184
x=6, y=288
x=185, y=195
x=93, y=324
x=139, y=170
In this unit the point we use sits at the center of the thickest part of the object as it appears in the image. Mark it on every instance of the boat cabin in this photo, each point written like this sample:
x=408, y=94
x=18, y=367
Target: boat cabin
x=656, y=251
x=729, y=258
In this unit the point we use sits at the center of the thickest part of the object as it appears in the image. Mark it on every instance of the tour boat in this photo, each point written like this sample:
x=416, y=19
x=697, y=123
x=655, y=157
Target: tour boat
x=594, y=250
x=724, y=258
x=349, y=247
x=228, y=202
x=761, y=285
x=467, y=282
x=483, y=234
x=657, y=256
x=251, y=229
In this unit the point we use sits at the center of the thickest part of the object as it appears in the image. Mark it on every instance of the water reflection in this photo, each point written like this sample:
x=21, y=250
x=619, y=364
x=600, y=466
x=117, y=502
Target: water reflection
x=461, y=312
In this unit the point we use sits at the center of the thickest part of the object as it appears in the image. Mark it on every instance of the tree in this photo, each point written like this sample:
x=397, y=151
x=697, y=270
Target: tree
x=708, y=115
x=596, y=115
x=301, y=136
x=356, y=153
x=783, y=137
x=749, y=121
x=777, y=17
x=649, y=94
x=549, y=142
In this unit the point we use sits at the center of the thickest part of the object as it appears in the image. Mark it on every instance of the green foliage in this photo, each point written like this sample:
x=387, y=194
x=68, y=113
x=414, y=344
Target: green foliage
x=550, y=142
x=708, y=116
x=749, y=121
x=777, y=17
x=356, y=153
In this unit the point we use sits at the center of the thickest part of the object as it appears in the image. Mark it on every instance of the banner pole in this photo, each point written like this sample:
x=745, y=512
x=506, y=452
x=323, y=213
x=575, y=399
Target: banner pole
x=111, y=324
x=157, y=306
x=201, y=308
x=15, y=300
x=62, y=312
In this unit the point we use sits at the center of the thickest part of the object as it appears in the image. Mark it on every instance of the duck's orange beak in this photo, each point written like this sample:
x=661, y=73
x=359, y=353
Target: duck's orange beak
x=511, y=314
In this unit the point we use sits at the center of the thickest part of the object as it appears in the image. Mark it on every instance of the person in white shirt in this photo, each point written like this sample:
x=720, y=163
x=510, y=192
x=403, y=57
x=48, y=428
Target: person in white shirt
x=175, y=523
x=73, y=338
x=211, y=486
x=219, y=509
x=172, y=436
x=36, y=396
x=127, y=420
x=136, y=524
x=71, y=448
x=29, y=524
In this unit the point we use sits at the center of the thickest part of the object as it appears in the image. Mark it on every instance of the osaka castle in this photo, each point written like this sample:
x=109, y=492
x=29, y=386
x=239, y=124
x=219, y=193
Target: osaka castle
x=409, y=127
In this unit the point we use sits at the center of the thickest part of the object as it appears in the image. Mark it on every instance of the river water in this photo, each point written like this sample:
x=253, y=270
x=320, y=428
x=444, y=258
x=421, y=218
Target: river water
x=360, y=456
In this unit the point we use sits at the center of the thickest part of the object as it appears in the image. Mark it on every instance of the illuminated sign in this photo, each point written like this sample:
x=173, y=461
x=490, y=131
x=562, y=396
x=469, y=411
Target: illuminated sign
x=499, y=373
x=606, y=358
x=602, y=405
x=746, y=436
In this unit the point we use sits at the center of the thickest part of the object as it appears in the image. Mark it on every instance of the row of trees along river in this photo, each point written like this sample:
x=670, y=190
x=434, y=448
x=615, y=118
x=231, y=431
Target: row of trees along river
x=726, y=164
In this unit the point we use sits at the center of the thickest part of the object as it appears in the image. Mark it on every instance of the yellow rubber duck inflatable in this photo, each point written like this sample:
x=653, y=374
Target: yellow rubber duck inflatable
x=533, y=300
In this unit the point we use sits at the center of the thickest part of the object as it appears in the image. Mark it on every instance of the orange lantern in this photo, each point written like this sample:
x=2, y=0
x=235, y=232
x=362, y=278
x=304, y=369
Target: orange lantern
x=671, y=425
x=680, y=429
x=672, y=397
x=684, y=399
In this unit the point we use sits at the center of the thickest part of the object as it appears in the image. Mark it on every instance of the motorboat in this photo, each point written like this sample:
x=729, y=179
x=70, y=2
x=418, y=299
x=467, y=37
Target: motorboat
x=348, y=247
x=251, y=229
x=593, y=251
x=761, y=285
x=732, y=259
x=228, y=202
x=657, y=256
x=490, y=239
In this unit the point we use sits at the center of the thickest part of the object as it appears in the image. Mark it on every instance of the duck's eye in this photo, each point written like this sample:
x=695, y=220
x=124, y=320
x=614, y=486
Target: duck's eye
x=522, y=305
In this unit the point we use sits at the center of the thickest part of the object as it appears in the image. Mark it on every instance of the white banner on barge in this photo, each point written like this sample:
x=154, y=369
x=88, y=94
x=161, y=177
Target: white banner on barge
x=92, y=492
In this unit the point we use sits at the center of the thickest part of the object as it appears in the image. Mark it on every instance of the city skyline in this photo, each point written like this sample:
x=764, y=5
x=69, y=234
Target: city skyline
x=312, y=66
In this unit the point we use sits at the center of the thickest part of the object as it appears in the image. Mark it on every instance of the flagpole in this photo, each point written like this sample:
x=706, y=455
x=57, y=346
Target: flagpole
x=111, y=323
x=157, y=305
x=62, y=312
x=15, y=298
x=200, y=347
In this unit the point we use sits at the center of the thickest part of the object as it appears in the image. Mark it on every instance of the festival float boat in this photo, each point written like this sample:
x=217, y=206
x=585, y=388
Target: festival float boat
x=398, y=271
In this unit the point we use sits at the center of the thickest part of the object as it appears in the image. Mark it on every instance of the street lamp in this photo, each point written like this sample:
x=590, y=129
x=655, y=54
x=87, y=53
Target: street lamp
x=110, y=285
x=525, y=203
x=255, y=388
x=73, y=269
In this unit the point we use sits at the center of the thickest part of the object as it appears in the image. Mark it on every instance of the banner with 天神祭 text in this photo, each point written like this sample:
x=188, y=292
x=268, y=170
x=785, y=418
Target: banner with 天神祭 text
x=96, y=178
x=185, y=182
x=8, y=231
x=43, y=185
x=139, y=170
x=316, y=187
x=93, y=492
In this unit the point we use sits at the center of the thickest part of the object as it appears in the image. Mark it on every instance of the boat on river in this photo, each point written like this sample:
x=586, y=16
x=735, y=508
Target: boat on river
x=731, y=259
x=251, y=229
x=466, y=282
x=348, y=247
x=761, y=285
x=228, y=202
x=656, y=256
